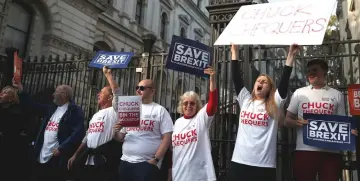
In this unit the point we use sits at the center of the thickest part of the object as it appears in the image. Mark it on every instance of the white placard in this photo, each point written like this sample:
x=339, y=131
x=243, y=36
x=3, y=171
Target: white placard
x=129, y=110
x=303, y=22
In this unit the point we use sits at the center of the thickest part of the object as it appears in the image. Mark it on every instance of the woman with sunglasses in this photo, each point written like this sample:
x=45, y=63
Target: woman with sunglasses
x=254, y=156
x=190, y=139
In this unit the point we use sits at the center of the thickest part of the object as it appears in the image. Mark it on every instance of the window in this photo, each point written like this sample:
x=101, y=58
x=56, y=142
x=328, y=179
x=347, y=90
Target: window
x=183, y=32
x=101, y=45
x=163, y=26
x=139, y=11
x=199, y=3
x=17, y=31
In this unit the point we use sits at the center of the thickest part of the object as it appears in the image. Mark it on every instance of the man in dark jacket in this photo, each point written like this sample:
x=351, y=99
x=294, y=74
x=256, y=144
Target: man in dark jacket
x=60, y=133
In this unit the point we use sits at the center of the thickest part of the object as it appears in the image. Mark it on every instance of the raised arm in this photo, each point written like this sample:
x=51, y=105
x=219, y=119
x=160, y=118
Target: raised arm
x=114, y=86
x=235, y=71
x=285, y=77
x=213, y=95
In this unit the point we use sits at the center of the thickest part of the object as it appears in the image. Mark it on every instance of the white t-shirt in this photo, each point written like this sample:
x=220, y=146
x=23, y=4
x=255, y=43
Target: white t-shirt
x=192, y=149
x=100, y=129
x=50, y=135
x=141, y=143
x=315, y=101
x=257, y=134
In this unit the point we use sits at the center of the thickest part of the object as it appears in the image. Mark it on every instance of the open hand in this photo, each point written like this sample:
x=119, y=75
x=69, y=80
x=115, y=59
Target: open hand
x=210, y=71
x=71, y=161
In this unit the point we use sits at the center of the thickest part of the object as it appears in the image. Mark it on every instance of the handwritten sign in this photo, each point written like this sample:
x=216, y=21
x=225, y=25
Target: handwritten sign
x=17, y=67
x=354, y=98
x=330, y=132
x=188, y=56
x=129, y=110
x=282, y=23
x=111, y=59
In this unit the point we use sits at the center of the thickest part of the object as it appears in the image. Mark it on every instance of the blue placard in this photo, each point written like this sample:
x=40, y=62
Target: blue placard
x=188, y=56
x=111, y=59
x=330, y=132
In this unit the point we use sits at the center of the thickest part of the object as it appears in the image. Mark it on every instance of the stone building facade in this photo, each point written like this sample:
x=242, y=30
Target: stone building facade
x=43, y=27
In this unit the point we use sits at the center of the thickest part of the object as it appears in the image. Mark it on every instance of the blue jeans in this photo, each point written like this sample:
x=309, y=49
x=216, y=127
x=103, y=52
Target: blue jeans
x=142, y=171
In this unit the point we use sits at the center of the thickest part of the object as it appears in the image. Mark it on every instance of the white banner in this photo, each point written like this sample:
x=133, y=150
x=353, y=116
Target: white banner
x=303, y=22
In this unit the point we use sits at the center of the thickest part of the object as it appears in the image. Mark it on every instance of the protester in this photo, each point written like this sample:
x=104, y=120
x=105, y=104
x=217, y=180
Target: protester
x=191, y=146
x=143, y=149
x=13, y=140
x=61, y=132
x=254, y=156
x=315, y=98
x=96, y=148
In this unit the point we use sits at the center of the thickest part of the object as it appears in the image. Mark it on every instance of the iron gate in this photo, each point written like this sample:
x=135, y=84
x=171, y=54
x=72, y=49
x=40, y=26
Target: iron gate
x=42, y=74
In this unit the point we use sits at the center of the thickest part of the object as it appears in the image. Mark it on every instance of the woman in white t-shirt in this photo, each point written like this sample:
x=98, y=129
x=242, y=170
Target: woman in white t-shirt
x=254, y=156
x=190, y=139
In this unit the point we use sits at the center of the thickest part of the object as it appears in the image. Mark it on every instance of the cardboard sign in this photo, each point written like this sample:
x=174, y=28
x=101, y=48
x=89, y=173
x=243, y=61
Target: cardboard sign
x=111, y=59
x=354, y=98
x=188, y=56
x=282, y=23
x=129, y=110
x=330, y=132
x=17, y=67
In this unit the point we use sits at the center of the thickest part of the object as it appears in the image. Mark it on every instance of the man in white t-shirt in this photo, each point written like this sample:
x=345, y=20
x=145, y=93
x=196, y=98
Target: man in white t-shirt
x=97, y=146
x=145, y=146
x=61, y=132
x=317, y=98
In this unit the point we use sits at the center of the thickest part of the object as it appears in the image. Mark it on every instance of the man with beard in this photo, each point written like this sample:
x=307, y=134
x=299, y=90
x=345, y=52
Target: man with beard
x=61, y=132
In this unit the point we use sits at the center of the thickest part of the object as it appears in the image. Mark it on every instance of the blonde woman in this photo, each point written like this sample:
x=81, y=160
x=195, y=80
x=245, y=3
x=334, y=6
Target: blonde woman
x=254, y=156
x=190, y=139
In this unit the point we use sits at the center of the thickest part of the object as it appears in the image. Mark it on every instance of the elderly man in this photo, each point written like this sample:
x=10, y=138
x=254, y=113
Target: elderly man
x=60, y=133
x=143, y=149
x=97, y=147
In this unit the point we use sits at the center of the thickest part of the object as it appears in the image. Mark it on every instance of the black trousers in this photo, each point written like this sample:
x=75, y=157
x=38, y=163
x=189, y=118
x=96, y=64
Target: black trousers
x=240, y=172
x=50, y=171
x=142, y=171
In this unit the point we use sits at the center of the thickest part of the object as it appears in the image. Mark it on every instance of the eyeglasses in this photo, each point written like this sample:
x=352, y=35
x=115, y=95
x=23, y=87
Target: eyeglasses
x=186, y=103
x=142, y=88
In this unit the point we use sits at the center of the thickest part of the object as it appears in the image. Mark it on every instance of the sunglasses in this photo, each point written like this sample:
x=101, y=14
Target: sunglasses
x=186, y=103
x=142, y=88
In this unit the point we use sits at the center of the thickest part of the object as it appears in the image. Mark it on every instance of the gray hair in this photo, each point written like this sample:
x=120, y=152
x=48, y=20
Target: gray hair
x=68, y=90
x=193, y=95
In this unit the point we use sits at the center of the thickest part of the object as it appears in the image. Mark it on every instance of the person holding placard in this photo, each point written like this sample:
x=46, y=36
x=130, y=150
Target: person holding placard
x=96, y=152
x=190, y=139
x=143, y=149
x=317, y=98
x=254, y=156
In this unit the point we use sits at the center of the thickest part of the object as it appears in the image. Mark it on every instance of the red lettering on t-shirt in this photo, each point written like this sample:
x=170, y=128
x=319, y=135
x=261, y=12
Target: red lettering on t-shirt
x=96, y=127
x=52, y=126
x=318, y=108
x=145, y=125
x=181, y=139
x=254, y=119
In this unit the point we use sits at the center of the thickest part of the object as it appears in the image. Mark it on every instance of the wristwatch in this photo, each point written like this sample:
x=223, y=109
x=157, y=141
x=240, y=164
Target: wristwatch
x=156, y=159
